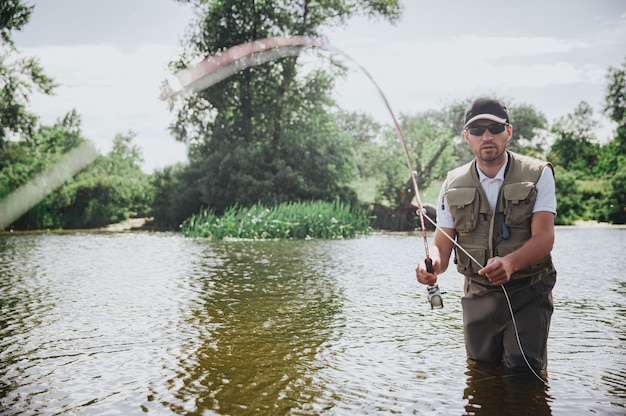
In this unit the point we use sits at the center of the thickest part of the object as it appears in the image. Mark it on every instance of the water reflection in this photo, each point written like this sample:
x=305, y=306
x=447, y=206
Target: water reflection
x=493, y=391
x=259, y=315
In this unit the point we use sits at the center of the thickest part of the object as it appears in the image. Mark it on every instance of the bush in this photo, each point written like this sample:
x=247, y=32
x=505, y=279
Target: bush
x=569, y=202
x=293, y=220
x=615, y=202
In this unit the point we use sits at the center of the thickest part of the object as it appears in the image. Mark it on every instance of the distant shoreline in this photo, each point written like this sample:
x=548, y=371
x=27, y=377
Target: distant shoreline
x=138, y=224
x=592, y=224
x=131, y=224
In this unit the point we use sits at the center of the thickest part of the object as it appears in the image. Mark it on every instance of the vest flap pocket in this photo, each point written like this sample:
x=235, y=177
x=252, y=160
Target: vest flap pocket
x=460, y=197
x=465, y=264
x=516, y=192
x=464, y=207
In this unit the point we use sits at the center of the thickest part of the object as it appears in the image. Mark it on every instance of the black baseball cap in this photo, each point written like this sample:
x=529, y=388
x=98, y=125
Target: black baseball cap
x=487, y=108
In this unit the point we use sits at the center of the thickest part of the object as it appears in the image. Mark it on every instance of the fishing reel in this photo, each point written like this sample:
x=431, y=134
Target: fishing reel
x=434, y=297
x=434, y=294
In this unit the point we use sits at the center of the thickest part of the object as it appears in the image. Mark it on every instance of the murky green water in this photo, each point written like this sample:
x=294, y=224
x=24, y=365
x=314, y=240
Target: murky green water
x=138, y=323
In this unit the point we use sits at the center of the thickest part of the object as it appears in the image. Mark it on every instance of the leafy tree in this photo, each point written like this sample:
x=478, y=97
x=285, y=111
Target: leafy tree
x=268, y=133
x=615, y=100
x=175, y=196
x=23, y=160
x=570, y=203
x=429, y=136
x=615, y=108
x=366, y=135
x=528, y=126
x=615, y=202
x=19, y=76
x=430, y=139
x=110, y=190
x=575, y=147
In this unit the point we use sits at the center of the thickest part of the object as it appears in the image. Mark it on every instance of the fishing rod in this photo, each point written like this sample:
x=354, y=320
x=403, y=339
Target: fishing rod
x=434, y=293
x=222, y=65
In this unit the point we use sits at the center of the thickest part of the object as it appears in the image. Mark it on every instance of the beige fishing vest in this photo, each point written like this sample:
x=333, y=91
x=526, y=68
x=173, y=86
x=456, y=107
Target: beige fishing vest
x=480, y=231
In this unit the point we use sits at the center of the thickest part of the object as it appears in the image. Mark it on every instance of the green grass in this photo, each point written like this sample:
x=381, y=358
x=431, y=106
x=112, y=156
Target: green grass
x=297, y=220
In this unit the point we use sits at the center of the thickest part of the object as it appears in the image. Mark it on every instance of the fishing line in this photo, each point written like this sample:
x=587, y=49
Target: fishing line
x=422, y=214
x=222, y=65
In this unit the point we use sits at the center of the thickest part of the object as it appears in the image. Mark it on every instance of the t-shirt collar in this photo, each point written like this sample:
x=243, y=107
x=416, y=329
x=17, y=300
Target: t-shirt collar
x=499, y=176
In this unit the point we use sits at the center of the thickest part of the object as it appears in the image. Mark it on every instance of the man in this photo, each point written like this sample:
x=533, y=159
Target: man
x=500, y=209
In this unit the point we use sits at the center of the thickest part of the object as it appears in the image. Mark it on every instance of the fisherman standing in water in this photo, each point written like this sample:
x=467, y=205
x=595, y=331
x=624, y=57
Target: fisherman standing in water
x=500, y=208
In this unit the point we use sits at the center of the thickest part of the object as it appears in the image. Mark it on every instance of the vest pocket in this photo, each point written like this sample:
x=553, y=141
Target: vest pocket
x=465, y=265
x=464, y=206
x=503, y=249
x=519, y=200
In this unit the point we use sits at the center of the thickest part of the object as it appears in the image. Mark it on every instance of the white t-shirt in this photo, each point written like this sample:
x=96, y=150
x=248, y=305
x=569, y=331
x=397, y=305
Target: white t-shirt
x=546, y=197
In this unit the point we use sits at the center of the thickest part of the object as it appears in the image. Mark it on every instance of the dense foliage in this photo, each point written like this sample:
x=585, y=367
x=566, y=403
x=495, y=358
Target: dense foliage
x=269, y=133
x=19, y=75
x=269, y=140
x=111, y=189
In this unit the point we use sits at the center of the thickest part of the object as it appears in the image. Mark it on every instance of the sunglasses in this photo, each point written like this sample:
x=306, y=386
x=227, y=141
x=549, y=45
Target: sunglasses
x=496, y=128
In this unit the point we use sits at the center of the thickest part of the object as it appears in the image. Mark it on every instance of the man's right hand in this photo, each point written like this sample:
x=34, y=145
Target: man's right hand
x=424, y=276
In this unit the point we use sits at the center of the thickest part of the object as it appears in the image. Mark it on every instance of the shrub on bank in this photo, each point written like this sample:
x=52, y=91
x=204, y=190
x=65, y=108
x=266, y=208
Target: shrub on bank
x=293, y=220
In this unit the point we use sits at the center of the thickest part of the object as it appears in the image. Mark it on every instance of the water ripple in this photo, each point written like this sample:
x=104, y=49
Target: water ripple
x=154, y=323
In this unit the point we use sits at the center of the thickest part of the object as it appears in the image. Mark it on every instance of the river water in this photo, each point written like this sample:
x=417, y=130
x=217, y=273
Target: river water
x=146, y=323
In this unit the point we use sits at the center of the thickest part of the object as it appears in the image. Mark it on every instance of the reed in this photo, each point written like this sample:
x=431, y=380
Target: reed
x=292, y=220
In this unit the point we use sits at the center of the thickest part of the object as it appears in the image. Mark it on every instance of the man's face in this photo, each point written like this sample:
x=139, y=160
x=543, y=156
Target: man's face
x=488, y=147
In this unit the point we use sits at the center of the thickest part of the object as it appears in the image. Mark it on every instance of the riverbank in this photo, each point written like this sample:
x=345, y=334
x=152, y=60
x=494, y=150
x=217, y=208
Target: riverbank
x=137, y=224
x=588, y=223
x=131, y=224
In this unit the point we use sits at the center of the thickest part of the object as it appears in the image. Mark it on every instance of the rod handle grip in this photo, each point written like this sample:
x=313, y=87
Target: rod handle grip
x=429, y=265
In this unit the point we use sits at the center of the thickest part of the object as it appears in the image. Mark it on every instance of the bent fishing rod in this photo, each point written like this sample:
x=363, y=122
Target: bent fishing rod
x=222, y=65
x=434, y=294
x=236, y=58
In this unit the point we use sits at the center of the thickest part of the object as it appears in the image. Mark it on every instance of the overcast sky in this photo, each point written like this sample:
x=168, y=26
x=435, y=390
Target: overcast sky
x=110, y=58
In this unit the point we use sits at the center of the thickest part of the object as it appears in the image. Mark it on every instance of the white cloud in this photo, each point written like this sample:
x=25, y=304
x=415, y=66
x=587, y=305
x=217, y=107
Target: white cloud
x=114, y=92
x=116, y=89
x=419, y=74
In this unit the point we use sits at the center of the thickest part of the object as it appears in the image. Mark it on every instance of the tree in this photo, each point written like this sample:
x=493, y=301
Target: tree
x=616, y=94
x=430, y=138
x=575, y=147
x=615, y=202
x=19, y=76
x=615, y=106
x=366, y=135
x=174, y=200
x=111, y=189
x=268, y=133
x=570, y=204
x=528, y=126
x=23, y=160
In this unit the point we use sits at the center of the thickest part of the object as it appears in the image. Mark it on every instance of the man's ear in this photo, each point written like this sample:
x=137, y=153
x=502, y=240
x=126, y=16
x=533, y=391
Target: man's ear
x=465, y=135
x=509, y=132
